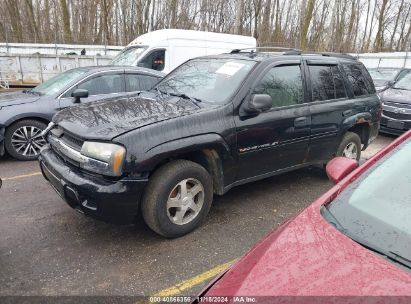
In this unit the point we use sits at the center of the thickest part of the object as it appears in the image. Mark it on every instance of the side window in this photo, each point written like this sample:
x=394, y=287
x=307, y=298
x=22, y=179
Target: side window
x=284, y=84
x=104, y=84
x=326, y=82
x=154, y=60
x=360, y=79
x=322, y=82
x=140, y=82
x=340, y=91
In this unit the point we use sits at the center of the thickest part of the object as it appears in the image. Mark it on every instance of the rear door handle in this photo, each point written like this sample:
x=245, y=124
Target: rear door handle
x=347, y=112
x=301, y=121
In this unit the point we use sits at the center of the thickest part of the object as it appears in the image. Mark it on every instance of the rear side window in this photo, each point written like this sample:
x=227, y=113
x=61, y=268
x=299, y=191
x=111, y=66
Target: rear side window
x=140, y=82
x=326, y=82
x=360, y=79
x=105, y=84
x=284, y=84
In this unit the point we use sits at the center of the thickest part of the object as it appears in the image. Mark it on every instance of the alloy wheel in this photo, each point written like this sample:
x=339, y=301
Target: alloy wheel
x=185, y=201
x=350, y=151
x=27, y=141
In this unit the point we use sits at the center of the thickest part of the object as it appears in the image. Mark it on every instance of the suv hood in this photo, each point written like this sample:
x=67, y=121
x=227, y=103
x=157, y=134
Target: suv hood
x=307, y=256
x=396, y=95
x=16, y=98
x=112, y=117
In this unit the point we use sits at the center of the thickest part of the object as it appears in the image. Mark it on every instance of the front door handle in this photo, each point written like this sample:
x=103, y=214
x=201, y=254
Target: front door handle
x=301, y=121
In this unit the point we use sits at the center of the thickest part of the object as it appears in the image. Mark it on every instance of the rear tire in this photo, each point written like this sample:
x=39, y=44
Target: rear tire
x=177, y=198
x=23, y=140
x=350, y=146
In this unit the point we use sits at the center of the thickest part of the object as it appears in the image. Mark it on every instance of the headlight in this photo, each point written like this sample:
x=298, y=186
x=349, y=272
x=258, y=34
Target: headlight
x=111, y=154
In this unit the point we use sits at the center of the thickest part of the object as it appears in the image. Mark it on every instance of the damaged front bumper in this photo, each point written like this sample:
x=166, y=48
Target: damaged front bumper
x=2, y=132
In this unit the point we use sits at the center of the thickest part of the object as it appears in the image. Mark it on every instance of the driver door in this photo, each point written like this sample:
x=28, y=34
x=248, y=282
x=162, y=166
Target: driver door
x=278, y=138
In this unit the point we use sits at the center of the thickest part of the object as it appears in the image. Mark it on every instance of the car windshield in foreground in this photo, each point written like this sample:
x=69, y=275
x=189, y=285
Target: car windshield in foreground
x=129, y=56
x=383, y=74
x=377, y=206
x=404, y=83
x=211, y=80
x=57, y=83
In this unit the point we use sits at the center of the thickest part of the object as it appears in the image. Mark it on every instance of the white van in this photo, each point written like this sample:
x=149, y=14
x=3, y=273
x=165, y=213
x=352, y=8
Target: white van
x=163, y=50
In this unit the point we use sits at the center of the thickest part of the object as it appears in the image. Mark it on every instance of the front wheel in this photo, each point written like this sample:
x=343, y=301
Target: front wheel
x=350, y=146
x=177, y=198
x=23, y=139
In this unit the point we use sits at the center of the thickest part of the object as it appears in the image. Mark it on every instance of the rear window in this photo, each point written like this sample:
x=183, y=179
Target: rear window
x=359, y=78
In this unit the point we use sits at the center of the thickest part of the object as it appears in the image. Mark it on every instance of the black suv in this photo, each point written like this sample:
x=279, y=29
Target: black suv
x=213, y=123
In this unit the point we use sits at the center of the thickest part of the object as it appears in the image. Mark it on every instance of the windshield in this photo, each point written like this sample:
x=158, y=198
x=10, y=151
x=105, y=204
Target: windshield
x=383, y=74
x=404, y=83
x=55, y=84
x=128, y=56
x=377, y=206
x=210, y=80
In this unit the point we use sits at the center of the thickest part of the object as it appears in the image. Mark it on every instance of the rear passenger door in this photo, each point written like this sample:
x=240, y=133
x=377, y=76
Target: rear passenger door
x=329, y=105
x=278, y=138
x=140, y=82
x=354, y=97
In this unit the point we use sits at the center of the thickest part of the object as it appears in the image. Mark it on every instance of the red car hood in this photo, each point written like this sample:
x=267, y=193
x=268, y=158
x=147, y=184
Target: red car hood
x=309, y=257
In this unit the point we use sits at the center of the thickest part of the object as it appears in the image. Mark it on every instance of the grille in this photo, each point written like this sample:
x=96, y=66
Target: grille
x=59, y=136
x=397, y=105
x=72, y=141
x=400, y=116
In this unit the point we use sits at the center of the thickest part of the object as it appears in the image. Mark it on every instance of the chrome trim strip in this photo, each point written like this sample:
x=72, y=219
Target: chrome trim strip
x=76, y=155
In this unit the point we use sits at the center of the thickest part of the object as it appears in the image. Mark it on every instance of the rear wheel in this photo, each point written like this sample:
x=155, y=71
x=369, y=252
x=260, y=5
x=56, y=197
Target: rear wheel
x=23, y=139
x=177, y=198
x=350, y=146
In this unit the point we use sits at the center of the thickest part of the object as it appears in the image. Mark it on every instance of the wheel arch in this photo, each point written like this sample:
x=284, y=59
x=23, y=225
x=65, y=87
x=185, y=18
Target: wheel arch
x=360, y=125
x=208, y=150
x=19, y=118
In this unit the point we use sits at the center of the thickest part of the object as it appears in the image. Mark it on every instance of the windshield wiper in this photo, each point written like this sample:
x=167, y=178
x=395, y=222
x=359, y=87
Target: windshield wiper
x=388, y=254
x=184, y=96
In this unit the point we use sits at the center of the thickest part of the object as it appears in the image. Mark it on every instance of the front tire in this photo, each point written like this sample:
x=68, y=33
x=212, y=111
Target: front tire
x=23, y=140
x=177, y=198
x=350, y=146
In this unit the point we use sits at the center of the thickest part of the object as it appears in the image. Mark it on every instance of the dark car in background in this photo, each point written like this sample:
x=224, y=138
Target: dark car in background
x=385, y=77
x=212, y=124
x=396, y=115
x=25, y=114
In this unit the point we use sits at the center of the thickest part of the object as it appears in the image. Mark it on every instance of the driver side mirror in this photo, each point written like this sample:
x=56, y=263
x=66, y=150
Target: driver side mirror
x=340, y=167
x=259, y=103
x=390, y=83
x=79, y=93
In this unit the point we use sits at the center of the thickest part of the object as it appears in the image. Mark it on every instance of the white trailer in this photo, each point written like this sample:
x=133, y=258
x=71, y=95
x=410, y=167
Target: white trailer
x=166, y=49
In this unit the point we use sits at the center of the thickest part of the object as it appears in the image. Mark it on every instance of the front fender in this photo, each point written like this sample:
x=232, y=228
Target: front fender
x=174, y=148
x=18, y=117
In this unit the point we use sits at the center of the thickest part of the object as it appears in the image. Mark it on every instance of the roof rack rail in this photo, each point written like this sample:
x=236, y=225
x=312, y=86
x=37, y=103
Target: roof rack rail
x=326, y=54
x=235, y=51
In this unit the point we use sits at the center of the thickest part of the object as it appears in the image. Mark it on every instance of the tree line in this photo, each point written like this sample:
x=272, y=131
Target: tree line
x=317, y=25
